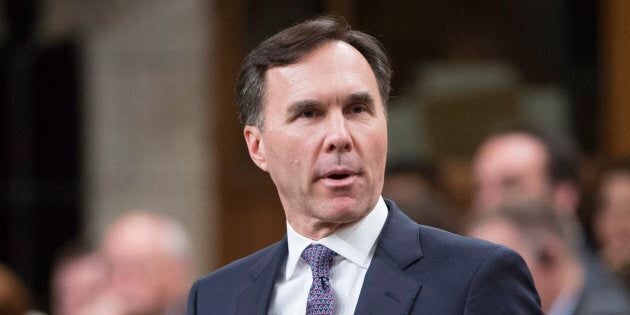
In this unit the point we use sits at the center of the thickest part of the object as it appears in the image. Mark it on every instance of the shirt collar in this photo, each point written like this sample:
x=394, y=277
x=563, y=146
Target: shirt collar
x=354, y=242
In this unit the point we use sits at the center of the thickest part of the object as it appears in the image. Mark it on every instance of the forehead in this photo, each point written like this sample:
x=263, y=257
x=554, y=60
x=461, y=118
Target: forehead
x=333, y=68
x=133, y=235
x=511, y=152
x=617, y=183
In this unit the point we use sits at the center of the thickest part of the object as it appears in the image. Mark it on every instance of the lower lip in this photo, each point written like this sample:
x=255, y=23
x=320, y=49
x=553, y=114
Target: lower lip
x=339, y=182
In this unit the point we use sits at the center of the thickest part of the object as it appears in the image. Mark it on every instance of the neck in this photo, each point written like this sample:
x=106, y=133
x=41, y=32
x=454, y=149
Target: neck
x=316, y=230
x=570, y=281
x=573, y=280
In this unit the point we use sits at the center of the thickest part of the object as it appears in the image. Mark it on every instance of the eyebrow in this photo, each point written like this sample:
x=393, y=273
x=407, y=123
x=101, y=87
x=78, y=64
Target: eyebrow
x=300, y=106
x=361, y=97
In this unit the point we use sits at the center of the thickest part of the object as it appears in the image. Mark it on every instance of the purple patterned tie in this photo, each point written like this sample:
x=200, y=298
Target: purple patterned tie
x=320, y=297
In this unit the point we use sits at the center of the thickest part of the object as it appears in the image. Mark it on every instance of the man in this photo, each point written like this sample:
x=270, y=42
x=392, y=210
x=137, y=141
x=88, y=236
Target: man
x=312, y=98
x=533, y=229
x=523, y=161
x=150, y=267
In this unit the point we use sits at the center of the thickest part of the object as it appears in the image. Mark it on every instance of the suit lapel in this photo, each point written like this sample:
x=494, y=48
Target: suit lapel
x=256, y=296
x=386, y=288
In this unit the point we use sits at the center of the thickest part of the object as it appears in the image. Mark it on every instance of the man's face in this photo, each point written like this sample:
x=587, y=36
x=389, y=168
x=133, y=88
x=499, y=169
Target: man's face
x=77, y=283
x=612, y=224
x=510, y=166
x=324, y=140
x=138, y=266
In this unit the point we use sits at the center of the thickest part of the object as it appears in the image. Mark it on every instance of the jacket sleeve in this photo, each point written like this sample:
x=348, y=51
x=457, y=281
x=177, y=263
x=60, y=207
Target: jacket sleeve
x=502, y=285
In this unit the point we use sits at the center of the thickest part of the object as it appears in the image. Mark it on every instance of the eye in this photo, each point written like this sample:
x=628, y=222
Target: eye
x=310, y=113
x=357, y=109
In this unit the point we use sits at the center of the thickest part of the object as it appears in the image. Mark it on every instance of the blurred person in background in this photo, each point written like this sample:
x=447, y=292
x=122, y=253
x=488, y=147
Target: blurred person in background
x=533, y=229
x=149, y=264
x=15, y=299
x=611, y=218
x=79, y=277
x=524, y=161
x=415, y=186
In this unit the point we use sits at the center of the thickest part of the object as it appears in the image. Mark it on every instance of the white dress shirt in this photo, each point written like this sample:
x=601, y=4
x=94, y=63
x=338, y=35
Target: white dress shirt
x=354, y=245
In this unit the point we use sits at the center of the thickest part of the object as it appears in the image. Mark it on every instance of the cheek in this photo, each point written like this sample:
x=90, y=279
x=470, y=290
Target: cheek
x=373, y=132
x=604, y=227
x=286, y=155
x=375, y=157
x=379, y=147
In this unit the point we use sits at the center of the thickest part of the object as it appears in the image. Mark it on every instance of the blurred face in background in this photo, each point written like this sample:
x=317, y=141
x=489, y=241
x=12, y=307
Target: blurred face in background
x=512, y=166
x=143, y=273
x=77, y=283
x=612, y=223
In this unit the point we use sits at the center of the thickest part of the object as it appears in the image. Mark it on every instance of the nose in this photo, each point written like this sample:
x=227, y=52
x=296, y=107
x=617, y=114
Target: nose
x=338, y=136
x=488, y=198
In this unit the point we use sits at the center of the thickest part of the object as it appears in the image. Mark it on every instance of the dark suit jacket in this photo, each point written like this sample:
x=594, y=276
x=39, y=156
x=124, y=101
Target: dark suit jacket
x=415, y=270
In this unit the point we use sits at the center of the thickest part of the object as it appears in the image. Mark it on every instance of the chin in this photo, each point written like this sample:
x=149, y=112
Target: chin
x=345, y=210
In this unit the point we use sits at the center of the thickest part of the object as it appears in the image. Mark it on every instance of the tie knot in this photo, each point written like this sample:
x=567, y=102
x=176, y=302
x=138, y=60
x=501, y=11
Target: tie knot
x=318, y=257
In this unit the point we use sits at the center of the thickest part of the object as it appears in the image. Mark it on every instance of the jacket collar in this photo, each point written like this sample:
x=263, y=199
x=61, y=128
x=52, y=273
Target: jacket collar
x=386, y=288
x=256, y=296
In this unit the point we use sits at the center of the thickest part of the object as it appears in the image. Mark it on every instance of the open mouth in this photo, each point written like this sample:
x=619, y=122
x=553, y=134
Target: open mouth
x=338, y=176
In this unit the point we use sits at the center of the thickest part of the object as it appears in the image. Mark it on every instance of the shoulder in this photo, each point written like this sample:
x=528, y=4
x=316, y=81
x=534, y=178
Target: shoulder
x=223, y=286
x=447, y=252
x=498, y=279
x=483, y=277
x=445, y=244
x=434, y=237
x=239, y=268
x=401, y=235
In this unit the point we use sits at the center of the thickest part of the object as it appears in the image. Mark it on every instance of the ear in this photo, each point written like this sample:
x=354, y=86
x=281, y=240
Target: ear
x=255, y=146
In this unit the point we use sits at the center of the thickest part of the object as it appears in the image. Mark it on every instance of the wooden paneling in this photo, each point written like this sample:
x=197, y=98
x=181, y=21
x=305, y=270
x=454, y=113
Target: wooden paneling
x=615, y=66
x=250, y=216
x=345, y=8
